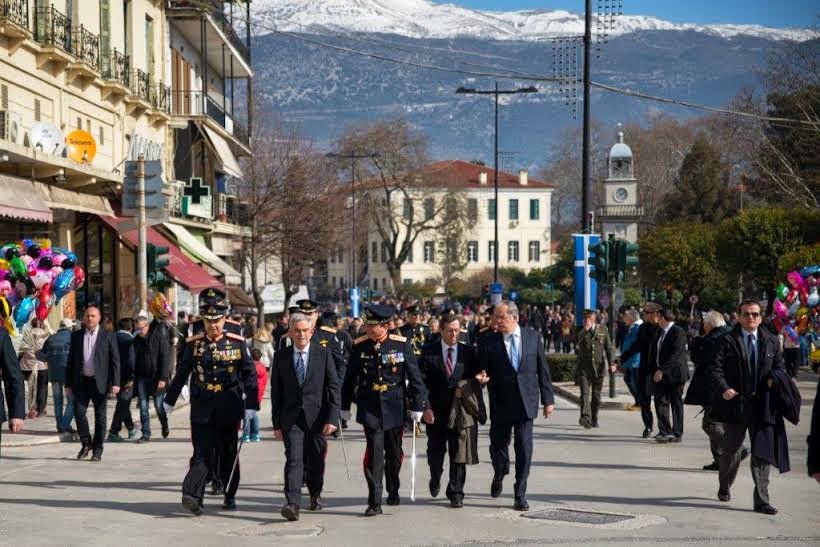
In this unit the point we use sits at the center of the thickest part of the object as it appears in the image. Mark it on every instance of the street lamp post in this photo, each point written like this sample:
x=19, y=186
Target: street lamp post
x=353, y=157
x=496, y=92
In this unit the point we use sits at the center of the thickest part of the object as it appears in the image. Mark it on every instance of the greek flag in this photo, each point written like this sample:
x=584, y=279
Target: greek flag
x=586, y=289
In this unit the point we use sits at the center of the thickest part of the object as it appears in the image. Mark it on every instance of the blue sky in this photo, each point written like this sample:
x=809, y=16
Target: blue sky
x=771, y=13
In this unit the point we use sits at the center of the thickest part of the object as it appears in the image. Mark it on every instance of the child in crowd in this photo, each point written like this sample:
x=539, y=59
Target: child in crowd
x=251, y=426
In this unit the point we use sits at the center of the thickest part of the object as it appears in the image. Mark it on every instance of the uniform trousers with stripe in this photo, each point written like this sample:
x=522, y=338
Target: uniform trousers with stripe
x=382, y=458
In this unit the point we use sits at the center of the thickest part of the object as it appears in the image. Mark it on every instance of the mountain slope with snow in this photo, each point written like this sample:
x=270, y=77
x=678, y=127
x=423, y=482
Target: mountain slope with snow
x=425, y=19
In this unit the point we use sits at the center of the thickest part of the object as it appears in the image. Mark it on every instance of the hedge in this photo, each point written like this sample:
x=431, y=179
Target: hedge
x=562, y=366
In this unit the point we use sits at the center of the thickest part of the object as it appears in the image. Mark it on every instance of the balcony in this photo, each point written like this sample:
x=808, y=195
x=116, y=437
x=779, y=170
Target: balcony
x=116, y=73
x=139, y=96
x=14, y=19
x=86, y=49
x=194, y=103
x=620, y=211
x=160, y=99
x=52, y=30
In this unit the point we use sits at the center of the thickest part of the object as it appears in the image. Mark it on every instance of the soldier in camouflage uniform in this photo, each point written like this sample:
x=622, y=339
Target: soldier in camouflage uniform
x=592, y=345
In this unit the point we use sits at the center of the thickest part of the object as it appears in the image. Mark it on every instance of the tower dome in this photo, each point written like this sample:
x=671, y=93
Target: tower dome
x=620, y=150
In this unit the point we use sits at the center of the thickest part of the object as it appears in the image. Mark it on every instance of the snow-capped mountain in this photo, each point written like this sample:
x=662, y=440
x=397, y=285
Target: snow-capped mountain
x=425, y=19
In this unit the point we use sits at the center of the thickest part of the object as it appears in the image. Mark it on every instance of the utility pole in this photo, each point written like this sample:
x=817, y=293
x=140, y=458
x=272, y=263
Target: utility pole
x=586, y=185
x=142, y=258
x=496, y=93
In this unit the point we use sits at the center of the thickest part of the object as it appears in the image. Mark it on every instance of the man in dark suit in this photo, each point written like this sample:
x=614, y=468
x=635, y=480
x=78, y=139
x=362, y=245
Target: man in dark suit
x=512, y=361
x=12, y=379
x=93, y=371
x=305, y=409
x=443, y=364
x=743, y=359
x=670, y=371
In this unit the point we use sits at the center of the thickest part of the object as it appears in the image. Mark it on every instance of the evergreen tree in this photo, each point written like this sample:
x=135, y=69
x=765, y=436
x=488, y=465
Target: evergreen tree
x=702, y=192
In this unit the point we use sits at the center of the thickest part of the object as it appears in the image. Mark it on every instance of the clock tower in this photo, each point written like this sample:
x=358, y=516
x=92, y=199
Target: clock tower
x=620, y=214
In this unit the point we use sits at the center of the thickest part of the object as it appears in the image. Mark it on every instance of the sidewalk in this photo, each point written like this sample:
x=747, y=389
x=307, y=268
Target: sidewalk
x=43, y=430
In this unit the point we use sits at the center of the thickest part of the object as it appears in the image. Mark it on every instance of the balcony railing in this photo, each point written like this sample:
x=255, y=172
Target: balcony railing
x=141, y=84
x=620, y=211
x=116, y=67
x=15, y=11
x=161, y=97
x=86, y=47
x=53, y=28
x=194, y=103
x=215, y=8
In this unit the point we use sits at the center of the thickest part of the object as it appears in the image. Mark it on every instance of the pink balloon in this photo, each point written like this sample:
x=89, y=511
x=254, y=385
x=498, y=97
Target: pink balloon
x=5, y=288
x=780, y=309
x=56, y=270
x=26, y=260
x=58, y=258
x=41, y=277
x=795, y=279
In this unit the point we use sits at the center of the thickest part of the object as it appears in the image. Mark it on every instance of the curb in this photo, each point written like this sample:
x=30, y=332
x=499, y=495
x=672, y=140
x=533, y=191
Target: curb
x=57, y=438
x=605, y=404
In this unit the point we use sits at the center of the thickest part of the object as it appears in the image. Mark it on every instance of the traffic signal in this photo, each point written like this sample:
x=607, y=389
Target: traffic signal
x=599, y=262
x=157, y=258
x=626, y=257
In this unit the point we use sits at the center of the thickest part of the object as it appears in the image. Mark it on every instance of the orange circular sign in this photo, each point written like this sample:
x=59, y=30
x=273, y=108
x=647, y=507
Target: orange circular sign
x=80, y=146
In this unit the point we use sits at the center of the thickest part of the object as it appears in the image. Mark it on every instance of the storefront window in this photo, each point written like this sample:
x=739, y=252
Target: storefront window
x=95, y=248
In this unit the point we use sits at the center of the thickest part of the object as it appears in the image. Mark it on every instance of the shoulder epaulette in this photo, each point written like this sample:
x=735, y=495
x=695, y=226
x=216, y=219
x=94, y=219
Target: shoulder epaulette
x=398, y=338
x=360, y=339
x=484, y=329
x=463, y=330
x=229, y=320
x=234, y=336
x=195, y=337
x=325, y=328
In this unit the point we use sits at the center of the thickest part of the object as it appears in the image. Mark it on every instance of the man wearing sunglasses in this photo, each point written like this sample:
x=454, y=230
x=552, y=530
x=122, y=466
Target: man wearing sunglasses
x=745, y=357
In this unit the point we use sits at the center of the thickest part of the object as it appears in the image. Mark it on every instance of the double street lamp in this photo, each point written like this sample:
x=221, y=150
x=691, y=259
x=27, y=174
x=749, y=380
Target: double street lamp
x=496, y=92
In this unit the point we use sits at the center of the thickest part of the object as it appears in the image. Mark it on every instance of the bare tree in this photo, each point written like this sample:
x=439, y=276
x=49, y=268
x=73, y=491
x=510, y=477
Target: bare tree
x=452, y=239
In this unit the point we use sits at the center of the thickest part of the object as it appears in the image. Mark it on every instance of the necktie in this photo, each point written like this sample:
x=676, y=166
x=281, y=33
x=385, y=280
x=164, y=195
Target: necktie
x=750, y=349
x=449, y=363
x=300, y=369
x=513, y=353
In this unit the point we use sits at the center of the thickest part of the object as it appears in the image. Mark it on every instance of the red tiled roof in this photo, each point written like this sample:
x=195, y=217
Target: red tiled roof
x=463, y=173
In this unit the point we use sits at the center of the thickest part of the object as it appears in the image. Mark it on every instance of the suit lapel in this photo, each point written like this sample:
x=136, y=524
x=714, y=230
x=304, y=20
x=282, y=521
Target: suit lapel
x=312, y=362
x=458, y=367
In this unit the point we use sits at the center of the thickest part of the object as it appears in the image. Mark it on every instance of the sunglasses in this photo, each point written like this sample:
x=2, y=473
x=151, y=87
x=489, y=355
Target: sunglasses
x=750, y=314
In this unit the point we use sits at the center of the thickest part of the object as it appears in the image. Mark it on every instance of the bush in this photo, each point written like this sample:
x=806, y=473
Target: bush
x=562, y=366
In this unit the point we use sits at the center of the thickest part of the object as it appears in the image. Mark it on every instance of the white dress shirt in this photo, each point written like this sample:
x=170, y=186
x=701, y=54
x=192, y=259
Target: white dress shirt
x=89, y=344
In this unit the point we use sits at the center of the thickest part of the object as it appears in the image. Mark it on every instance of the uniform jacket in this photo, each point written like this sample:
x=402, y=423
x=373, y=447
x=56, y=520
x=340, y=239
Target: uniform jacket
x=509, y=390
x=317, y=398
x=382, y=374
x=418, y=334
x=12, y=379
x=592, y=346
x=729, y=369
x=106, y=360
x=226, y=362
x=327, y=338
x=673, y=359
x=440, y=388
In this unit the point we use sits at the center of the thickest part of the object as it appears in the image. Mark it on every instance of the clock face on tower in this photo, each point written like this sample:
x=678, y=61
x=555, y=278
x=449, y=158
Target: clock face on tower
x=620, y=194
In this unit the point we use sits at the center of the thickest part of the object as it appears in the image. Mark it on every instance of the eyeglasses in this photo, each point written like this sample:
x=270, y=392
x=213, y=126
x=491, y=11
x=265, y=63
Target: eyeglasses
x=750, y=314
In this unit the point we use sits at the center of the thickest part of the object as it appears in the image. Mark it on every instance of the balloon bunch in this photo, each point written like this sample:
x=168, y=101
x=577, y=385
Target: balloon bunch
x=34, y=276
x=797, y=307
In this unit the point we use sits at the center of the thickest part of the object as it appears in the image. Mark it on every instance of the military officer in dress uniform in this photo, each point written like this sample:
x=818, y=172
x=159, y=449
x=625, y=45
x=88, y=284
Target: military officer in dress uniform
x=379, y=366
x=418, y=333
x=223, y=385
x=592, y=345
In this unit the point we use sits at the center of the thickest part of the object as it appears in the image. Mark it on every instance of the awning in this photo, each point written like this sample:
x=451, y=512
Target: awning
x=222, y=246
x=223, y=151
x=200, y=251
x=185, y=271
x=240, y=301
x=20, y=200
x=60, y=198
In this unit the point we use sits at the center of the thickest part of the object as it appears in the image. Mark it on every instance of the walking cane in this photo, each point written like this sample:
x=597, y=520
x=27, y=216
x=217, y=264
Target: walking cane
x=239, y=448
x=344, y=450
x=413, y=467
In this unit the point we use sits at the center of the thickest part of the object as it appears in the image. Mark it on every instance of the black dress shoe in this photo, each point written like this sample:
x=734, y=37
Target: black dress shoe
x=766, y=509
x=714, y=466
x=496, y=487
x=373, y=510
x=290, y=512
x=393, y=499
x=595, y=422
x=646, y=433
x=456, y=504
x=584, y=422
x=216, y=489
x=96, y=456
x=744, y=453
x=724, y=496
x=435, y=487
x=662, y=438
x=521, y=505
x=316, y=503
x=675, y=439
x=165, y=432
x=84, y=451
x=192, y=505
x=229, y=504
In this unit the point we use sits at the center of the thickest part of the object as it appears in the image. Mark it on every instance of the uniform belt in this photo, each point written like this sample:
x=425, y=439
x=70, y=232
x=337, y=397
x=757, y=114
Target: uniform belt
x=216, y=387
x=382, y=387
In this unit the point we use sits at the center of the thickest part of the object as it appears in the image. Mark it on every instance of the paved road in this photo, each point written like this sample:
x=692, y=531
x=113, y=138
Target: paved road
x=132, y=496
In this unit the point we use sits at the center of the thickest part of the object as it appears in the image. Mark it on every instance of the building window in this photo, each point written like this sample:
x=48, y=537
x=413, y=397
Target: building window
x=149, y=47
x=472, y=251
x=410, y=254
x=535, y=209
x=374, y=252
x=491, y=251
x=333, y=256
x=407, y=209
x=512, y=251
x=429, y=208
x=407, y=282
x=375, y=284
x=384, y=252
x=341, y=256
x=472, y=209
x=513, y=209
x=534, y=254
x=333, y=282
x=429, y=251
x=4, y=99
x=363, y=253
x=102, y=136
x=36, y=109
x=79, y=123
x=384, y=284
x=490, y=209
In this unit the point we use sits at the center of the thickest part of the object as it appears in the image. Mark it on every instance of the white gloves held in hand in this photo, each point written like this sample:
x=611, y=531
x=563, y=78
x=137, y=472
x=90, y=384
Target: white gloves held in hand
x=345, y=415
x=416, y=416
